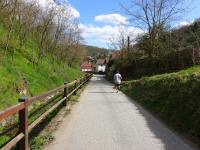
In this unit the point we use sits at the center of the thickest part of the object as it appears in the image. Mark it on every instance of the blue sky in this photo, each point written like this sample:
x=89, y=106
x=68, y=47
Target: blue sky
x=90, y=8
x=99, y=27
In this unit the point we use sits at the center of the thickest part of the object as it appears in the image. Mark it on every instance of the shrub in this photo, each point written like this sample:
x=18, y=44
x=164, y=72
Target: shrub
x=174, y=97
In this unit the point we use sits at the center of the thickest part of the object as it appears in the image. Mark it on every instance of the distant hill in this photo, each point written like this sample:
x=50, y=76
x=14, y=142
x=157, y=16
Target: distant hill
x=96, y=51
x=187, y=36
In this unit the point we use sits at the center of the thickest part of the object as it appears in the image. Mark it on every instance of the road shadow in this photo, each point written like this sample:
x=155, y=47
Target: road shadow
x=160, y=129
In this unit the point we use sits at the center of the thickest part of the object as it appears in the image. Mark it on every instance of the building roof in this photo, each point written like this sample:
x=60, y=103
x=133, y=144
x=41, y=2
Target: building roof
x=101, y=62
x=115, y=55
x=87, y=66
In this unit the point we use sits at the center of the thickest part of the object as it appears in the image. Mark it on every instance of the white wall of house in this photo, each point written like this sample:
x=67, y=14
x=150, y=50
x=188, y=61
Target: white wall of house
x=101, y=68
x=87, y=70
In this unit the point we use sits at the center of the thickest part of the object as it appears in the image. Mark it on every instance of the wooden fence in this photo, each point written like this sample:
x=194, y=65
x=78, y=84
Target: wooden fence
x=22, y=138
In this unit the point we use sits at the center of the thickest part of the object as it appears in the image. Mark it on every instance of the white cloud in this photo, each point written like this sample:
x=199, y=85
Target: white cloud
x=100, y=36
x=115, y=24
x=182, y=23
x=74, y=11
x=115, y=19
x=46, y=4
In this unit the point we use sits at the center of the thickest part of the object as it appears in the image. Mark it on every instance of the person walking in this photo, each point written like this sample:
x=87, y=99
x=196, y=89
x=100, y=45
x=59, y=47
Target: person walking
x=117, y=80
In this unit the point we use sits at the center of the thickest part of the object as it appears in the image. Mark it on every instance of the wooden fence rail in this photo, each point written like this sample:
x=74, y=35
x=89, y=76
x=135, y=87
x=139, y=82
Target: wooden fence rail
x=22, y=138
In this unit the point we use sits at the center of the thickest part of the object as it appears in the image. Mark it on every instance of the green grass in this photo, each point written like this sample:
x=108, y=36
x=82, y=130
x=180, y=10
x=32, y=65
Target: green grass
x=18, y=72
x=41, y=140
x=173, y=97
x=4, y=139
x=39, y=78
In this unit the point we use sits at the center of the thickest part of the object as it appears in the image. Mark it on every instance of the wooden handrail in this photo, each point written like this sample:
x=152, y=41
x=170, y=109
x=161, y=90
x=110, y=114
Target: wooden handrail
x=49, y=93
x=37, y=121
x=13, y=142
x=22, y=109
x=11, y=111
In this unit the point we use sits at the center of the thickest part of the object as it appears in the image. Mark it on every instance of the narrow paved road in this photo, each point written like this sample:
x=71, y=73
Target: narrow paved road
x=107, y=120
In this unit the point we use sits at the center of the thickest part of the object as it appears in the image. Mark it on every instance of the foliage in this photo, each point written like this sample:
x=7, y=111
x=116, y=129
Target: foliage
x=95, y=51
x=4, y=139
x=176, y=50
x=154, y=17
x=21, y=71
x=173, y=97
x=52, y=29
x=41, y=140
x=137, y=68
x=38, y=79
x=187, y=36
x=39, y=50
x=177, y=39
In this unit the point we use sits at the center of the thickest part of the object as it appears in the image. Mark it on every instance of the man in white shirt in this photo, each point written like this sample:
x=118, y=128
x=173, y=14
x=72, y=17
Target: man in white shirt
x=117, y=79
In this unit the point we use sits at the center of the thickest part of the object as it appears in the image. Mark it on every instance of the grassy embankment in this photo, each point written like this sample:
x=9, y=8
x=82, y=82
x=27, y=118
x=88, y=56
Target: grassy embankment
x=173, y=97
x=18, y=73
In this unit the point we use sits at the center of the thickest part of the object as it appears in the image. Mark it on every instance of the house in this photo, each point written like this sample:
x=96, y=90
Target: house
x=115, y=55
x=87, y=67
x=101, y=65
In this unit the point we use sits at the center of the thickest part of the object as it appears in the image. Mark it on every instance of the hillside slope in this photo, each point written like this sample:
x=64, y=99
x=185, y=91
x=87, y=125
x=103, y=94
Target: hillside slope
x=96, y=51
x=19, y=75
x=174, y=97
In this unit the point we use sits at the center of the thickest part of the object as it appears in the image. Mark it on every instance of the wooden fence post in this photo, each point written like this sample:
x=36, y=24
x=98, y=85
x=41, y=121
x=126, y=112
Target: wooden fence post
x=81, y=81
x=65, y=94
x=23, y=124
x=75, y=86
x=88, y=78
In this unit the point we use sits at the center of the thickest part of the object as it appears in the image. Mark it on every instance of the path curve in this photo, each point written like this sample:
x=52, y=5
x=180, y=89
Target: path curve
x=107, y=120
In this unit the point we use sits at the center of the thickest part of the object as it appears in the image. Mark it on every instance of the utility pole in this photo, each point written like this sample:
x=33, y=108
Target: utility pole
x=128, y=43
x=128, y=48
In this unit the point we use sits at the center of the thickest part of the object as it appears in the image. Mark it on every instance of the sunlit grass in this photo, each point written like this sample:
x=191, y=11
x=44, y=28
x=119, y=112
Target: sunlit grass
x=18, y=67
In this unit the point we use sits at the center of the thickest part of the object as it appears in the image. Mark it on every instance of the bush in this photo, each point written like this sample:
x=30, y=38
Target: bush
x=174, y=61
x=175, y=98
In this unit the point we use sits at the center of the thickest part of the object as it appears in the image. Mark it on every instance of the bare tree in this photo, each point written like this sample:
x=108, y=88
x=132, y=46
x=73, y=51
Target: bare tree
x=153, y=16
x=53, y=31
x=118, y=42
x=11, y=21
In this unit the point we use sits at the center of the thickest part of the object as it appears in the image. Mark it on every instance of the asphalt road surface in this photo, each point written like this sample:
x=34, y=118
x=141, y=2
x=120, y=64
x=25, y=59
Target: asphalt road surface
x=108, y=120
